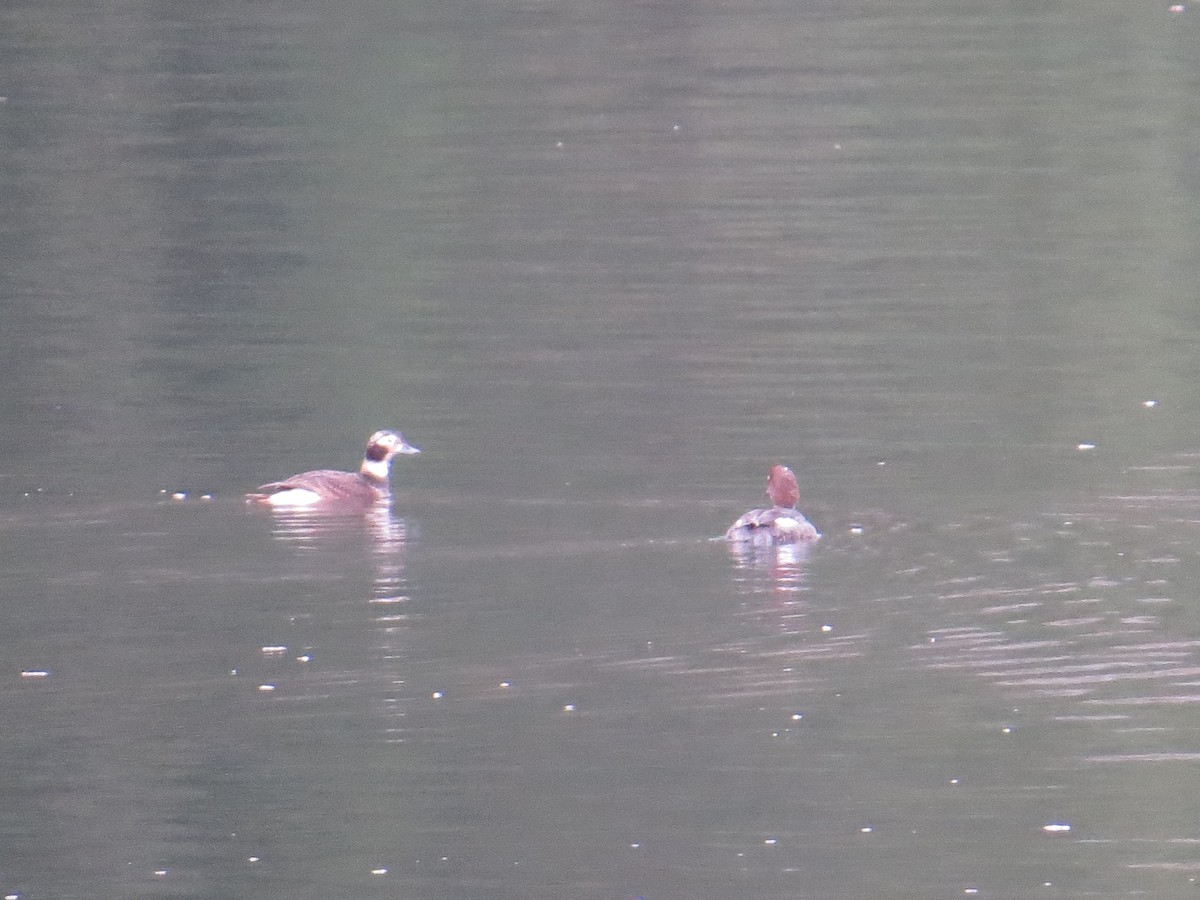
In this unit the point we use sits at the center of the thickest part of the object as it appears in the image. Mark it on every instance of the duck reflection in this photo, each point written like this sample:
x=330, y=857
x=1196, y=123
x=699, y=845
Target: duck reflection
x=308, y=527
x=777, y=567
x=315, y=529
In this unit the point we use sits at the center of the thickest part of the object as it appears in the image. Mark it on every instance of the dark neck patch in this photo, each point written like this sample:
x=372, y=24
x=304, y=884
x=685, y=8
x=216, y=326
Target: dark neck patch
x=377, y=452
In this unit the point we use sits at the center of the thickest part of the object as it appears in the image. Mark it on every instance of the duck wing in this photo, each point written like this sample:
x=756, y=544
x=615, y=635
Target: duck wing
x=778, y=523
x=748, y=523
x=330, y=484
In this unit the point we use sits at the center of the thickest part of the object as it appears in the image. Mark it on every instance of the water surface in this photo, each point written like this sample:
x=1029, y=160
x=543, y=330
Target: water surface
x=604, y=264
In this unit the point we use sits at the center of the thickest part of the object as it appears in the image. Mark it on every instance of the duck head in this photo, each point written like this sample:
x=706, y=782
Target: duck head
x=782, y=487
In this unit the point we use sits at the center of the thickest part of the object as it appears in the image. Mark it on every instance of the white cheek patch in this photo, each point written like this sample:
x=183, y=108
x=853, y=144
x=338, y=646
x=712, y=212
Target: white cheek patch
x=294, y=497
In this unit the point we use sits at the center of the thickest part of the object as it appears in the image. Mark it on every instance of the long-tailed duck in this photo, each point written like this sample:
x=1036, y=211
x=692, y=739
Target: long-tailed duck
x=782, y=523
x=328, y=486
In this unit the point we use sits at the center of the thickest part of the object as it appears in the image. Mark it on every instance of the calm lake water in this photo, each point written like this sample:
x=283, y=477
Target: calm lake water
x=604, y=263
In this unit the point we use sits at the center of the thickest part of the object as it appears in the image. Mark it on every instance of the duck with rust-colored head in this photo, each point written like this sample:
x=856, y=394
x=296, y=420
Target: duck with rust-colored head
x=782, y=523
x=369, y=485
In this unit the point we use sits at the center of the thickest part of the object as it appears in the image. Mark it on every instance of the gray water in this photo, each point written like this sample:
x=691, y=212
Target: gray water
x=604, y=263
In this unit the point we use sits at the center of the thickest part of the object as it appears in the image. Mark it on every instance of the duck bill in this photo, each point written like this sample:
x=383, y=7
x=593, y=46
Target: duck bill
x=407, y=449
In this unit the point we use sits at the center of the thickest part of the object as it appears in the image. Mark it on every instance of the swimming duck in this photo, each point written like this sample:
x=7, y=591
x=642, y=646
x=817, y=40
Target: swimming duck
x=782, y=523
x=328, y=486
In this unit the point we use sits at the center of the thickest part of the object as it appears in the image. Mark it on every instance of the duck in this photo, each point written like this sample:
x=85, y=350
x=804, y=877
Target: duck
x=369, y=485
x=782, y=523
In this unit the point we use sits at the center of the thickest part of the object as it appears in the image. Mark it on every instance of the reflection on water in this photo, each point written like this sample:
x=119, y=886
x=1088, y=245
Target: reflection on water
x=309, y=529
x=1096, y=644
x=306, y=528
x=781, y=566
